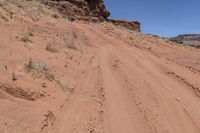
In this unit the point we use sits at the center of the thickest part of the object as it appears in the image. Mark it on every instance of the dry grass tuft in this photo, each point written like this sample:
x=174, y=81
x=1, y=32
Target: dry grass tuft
x=39, y=69
x=70, y=41
x=25, y=36
x=52, y=48
x=65, y=87
x=31, y=8
x=3, y=17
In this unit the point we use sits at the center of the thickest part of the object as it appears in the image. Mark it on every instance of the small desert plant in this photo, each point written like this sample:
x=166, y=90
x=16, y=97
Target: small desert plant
x=25, y=37
x=52, y=48
x=50, y=22
x=70, y=41
x=109, y=27
x=56, y=16
x=2, y=17
x=70, y=18
x=130, y=38
x=29, y=66
x=29, y=31
x=38, y=69
x=44, y=85
x=65, y=87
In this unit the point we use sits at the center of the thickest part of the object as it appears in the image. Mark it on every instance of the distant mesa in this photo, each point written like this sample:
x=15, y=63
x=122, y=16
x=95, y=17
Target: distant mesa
x=89, y=10
x=192, y=40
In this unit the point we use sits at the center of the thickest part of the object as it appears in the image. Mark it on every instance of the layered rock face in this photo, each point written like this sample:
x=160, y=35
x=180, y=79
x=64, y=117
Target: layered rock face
x=80, y=9
x=188, y=39
x=132, y=25
x=90, y=10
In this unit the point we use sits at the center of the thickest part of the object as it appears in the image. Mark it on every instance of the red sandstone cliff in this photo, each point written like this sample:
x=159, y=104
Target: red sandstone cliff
x=90, y=10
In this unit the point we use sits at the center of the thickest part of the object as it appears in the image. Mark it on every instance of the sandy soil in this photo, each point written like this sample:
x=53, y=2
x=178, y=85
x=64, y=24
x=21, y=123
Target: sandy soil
x=80, y=77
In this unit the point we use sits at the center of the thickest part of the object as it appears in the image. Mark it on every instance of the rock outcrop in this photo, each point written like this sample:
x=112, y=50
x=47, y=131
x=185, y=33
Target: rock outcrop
x=94, y=10
x=132, y=25
x=90, y=10
x=188, y=39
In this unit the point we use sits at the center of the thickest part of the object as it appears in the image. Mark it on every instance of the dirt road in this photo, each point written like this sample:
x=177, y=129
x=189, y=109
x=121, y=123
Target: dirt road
x=145, y=93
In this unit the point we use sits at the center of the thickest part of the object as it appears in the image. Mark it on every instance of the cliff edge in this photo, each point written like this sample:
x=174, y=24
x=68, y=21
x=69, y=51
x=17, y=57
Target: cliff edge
x=89, y=10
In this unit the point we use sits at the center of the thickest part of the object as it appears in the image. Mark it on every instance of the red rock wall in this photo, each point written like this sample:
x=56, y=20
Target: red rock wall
x=90, y=10
x=80, y=9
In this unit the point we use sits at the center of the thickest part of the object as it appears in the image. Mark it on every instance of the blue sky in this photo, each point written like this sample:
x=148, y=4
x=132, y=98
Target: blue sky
x=162, y=17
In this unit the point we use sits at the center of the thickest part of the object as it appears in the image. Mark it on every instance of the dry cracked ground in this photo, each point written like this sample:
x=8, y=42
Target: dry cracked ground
x=59, y=76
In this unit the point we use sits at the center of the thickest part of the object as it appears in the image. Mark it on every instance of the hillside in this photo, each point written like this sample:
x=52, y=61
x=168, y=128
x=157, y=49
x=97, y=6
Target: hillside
x=64, y=76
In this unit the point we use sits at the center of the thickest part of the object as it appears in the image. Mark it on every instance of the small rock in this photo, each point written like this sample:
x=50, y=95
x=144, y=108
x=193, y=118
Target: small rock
x=6, y=67
x=14, y=77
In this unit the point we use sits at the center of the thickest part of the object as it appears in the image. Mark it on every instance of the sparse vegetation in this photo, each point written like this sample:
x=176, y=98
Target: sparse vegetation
x=50, y=22
x=70, y=18
x=44, y=85
x=65, y=87
x=70, y=41
x=2, y=17
x=31, y=8
x=29, y=31
x=25, y=37
x=52, y=48
x=56, y=16
x=130, y=38
x=109, y=26
x=39, y=69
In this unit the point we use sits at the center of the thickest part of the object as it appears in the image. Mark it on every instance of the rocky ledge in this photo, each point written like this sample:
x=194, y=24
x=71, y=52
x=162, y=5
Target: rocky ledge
x=81, y=9
x=90, y=10
x=131, y=25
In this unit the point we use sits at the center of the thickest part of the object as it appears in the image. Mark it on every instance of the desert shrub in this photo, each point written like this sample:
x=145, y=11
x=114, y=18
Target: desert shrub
x=56, y=16
x=29, y=31
x=52, y=48
x=50, y=22
x=3, y=17
x=25, y=39
x=31, y=8
x=38, y=69
x=25, y=36
x=43, y=85
x=70, y=41
x=65, y=87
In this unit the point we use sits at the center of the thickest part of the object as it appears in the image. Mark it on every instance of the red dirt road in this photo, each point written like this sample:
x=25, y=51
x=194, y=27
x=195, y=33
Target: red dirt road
x=145, y=93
